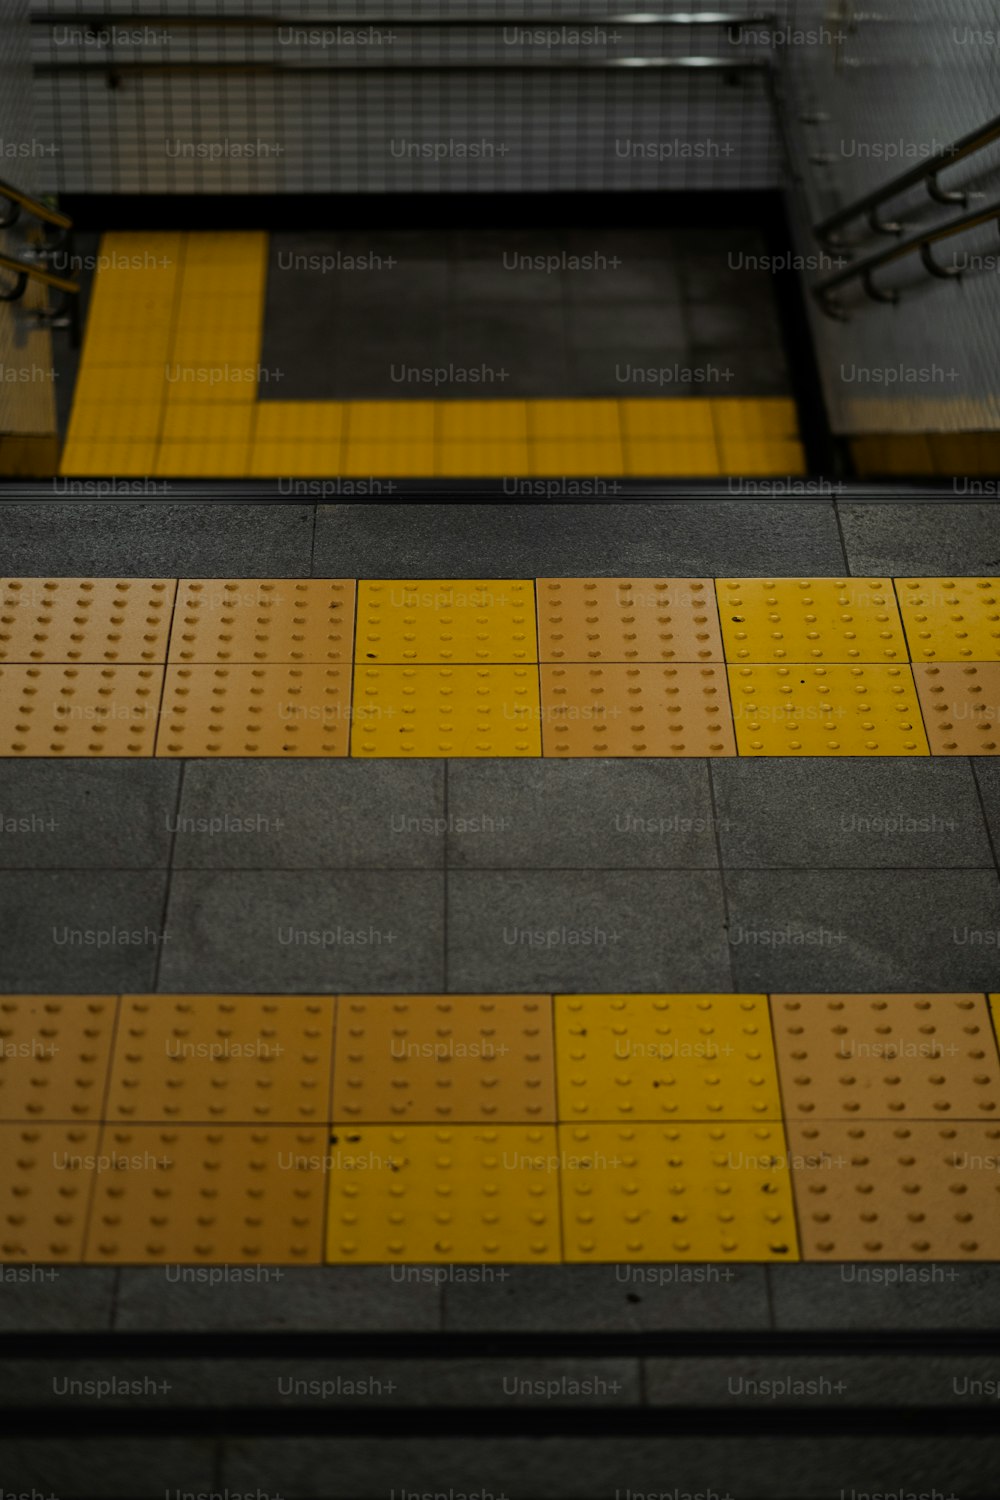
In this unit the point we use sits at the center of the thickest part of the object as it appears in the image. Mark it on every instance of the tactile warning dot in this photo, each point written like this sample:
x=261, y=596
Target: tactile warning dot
x=232, y=1195
x=961, y=706
x=433, y=711
x=829, y=710
x=810, y=620
x=430, y=1058
x=54, y=1053
x=87, y=710
x=642, y=710
x=684, y=1192
x=882, y=1190
x=272, y=710
x=114, y=620
x=450, y=620
x=886, y=1057
x=951, y=619
x=45, y=1190
x=627, y=620
x=674, y=1057
x=263, y=620
x=424, y=1193
x=227, y=1059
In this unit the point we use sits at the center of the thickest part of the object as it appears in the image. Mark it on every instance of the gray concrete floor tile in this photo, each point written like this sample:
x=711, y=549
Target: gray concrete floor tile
x=828, y=814
x=921, y=540
x=108, y=1468
x=586, y=931
x=277, y=931
x=56, y=1299
x=262, y=1299
x=687, y=539
x=987, y=775
x=857, y=1295
x=594, y=815
x=157, y=538
x=863, y=930
x=325, y=814
x=609, y=1299
x=80, y=932
x=800, y=1467
x=75, y=813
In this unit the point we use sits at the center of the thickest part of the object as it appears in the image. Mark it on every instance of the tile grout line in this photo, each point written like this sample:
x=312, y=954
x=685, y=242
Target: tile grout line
x=170, y=875
x=982, y=809
x=730, y=961
x=445, y=955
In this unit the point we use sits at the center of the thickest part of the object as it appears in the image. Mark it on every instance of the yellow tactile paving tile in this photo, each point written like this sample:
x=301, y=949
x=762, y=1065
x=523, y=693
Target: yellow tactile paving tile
x=951, y=619
x=828, y=710
x=885, y=1057
x=113, y=620
x=299, y=421
x=294, y=458
x=222, y=1059
x=190, y=424
x=617, y=710
x=627, y=620
x=482, y=460
x=449, y=620
x=755, y=418
x=425, y=1059
x=227, y=1195
x=90, y=459
x=761, y=457
x=681, y=1192
x=575, y=458
x=52, y=710
x=961, y=706
x=482, y=423
x=583, y=421
x=423, y=1193
x=694, y=459
x=54, y=1056
x=644, y=1058
x=116, y=388
x=263, y=620
x=273, y=709
x=386, y=422
x=45, y=1190
x=901, y=1191
x=444, y=711
x=652, y=420
x=810, y=620
x=366, y=458
x=109, y=421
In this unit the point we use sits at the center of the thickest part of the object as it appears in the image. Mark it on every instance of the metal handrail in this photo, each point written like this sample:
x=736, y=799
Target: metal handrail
x=137, y=21
x=25, y=271
x=922, y=242
x=23, y=201
x=925, y=171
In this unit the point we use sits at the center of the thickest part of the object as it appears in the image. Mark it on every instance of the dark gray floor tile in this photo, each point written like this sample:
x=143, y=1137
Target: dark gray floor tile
x=475, y=280
x=277, y=931
x=799, y=1467
x=112, y=1468
x=643, y=334
x=583, y=814
x=687, y=539
x=333, y=815
x=608, y=1299
x=583, y=931
x=156, y=538
x=859, y=1295
x=260, y=1299
x=921, y=540
x=80, y=932
x=826, y=814
x=56, y=1299
x=733, y=324
x=822, y=1381
x=69, y=814
x=733, y=370
x=864, y=930
x=987, y=774
x=632, y=280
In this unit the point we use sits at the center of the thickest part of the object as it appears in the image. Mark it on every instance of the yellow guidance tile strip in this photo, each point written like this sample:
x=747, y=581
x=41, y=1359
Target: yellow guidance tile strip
x=562, y=668
x=190, y=399
x=372, y=1129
